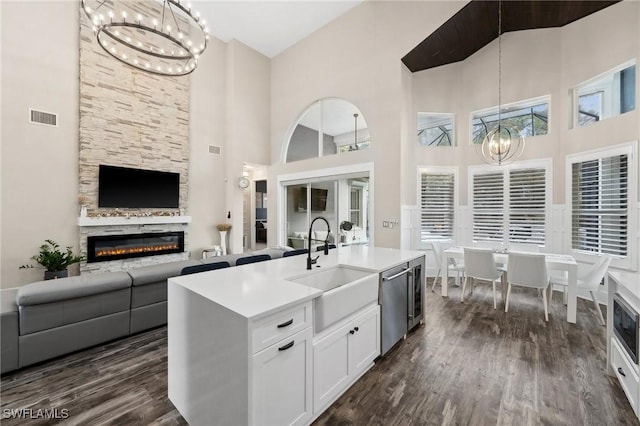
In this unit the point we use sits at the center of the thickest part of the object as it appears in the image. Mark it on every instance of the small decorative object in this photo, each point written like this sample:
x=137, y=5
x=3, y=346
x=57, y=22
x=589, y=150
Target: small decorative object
x=244, y=182
x=54, y=261
x=82, y=200
x=223, y=228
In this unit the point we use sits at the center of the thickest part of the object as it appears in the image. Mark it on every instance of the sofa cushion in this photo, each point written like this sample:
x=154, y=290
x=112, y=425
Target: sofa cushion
x=71, y=288
x=160, y=272
x=148, y=294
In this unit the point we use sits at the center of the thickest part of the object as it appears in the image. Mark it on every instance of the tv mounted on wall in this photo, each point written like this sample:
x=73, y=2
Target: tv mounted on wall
x=122, y=187
x=318, y=200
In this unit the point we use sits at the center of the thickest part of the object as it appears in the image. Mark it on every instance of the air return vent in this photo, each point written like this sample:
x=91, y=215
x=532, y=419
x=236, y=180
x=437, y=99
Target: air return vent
x=41, y=117
x=214, y=149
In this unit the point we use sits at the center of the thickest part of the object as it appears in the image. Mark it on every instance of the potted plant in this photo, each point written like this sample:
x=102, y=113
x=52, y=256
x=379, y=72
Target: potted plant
x=54, y=261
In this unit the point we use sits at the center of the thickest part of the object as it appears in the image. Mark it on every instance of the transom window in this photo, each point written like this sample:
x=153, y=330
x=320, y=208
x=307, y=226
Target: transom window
x=435, y=129
x=610, y=94
x=329, y=126
x=530, y=117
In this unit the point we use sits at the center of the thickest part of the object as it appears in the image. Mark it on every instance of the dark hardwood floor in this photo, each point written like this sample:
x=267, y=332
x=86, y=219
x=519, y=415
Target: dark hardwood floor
x=468, y=365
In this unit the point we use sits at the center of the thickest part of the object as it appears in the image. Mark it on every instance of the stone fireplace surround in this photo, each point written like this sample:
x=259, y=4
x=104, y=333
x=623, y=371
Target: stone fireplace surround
x=129, y=118
x=101, y=226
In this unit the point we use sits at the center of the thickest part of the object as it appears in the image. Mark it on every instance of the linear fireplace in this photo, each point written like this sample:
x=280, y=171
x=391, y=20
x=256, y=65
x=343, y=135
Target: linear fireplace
x=112, y=247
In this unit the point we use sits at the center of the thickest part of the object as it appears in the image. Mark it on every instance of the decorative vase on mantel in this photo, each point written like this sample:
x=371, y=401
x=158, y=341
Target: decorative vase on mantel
x=223, y=228
x=83, y=211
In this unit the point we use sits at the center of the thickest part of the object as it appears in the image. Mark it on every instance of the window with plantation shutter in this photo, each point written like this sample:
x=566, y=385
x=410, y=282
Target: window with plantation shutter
x=510, y=204
x=527, y=206
x=437, y=205
x=599, y=214
x=488, y=207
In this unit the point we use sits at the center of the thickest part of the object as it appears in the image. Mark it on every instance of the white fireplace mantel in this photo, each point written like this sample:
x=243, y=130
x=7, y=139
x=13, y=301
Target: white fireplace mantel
x=122, y=220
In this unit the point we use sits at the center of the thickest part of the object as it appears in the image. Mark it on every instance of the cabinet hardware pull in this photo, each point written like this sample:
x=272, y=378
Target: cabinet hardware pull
x=351, y=331
x=286, y=324
x=393, y=277
x=356, y=328
x=287, y=346
x=621, y=371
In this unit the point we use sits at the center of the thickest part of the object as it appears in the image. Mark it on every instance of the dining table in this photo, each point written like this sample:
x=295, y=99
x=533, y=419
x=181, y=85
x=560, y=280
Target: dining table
x=555, y=262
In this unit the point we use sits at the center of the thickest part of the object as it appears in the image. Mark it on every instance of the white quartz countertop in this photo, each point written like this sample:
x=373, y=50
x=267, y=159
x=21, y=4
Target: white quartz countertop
x=258, y=289
x=628, y=280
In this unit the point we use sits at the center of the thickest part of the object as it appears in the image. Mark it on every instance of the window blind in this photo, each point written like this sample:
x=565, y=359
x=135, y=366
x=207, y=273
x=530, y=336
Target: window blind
x=488, y=207
x=599, y=205
x=436, y=206
x=527, y=206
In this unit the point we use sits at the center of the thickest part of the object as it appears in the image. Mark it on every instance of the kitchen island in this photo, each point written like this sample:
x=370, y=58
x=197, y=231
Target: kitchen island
x=242, y=346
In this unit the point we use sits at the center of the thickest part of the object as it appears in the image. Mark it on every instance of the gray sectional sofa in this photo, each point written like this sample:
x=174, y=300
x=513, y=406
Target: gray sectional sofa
x=46, y=319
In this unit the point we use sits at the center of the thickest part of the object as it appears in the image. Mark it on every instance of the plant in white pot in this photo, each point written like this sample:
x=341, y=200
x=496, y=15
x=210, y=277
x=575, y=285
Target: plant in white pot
x=54, y=261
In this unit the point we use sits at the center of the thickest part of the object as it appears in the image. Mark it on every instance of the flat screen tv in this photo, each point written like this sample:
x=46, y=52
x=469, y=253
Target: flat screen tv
x=122, y=187
x=318, y=200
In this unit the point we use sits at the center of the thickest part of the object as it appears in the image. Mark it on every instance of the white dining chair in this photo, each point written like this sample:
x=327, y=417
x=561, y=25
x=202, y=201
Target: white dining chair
x=590, y=281
x=457, y=267
x=480, y=264
x=528, y=270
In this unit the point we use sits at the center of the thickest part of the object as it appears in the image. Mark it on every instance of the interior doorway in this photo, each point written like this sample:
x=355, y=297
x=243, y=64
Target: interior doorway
x=254, y=208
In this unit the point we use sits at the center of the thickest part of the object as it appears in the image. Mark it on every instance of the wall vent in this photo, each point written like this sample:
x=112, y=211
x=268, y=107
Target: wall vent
x=41, y=117
x=214, y=149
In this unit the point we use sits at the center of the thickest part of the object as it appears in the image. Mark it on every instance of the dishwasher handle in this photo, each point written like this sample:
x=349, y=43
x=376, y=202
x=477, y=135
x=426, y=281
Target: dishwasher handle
x=393, y=277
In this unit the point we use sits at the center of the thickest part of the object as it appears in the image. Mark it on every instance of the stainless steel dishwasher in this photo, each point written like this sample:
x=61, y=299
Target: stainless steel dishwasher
x=393, y=305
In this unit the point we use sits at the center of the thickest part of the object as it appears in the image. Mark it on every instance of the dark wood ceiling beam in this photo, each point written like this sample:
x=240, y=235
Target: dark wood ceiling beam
x=476, y=25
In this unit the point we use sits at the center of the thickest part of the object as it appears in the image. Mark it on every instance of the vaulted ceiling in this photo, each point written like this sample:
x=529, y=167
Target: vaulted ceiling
x=476, y=25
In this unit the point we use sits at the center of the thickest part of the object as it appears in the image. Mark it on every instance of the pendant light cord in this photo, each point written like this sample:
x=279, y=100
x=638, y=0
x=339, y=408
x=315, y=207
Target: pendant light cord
x=499, y=66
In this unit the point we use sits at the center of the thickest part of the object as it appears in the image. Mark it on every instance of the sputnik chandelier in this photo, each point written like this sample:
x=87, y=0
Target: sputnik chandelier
x=502, y=144
x=162, y=37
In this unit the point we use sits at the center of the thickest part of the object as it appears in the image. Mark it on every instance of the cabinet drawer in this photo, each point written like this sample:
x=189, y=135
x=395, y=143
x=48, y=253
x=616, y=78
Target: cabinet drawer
x=626, y=374
x=280, y=325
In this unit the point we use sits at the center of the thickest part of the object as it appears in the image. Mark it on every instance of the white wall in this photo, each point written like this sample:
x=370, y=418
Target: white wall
x=39, y=188
x=248, y=124
x=207, y=126
x=357, y=58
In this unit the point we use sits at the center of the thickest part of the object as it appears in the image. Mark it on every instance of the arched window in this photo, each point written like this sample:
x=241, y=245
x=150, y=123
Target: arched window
x=329, y=126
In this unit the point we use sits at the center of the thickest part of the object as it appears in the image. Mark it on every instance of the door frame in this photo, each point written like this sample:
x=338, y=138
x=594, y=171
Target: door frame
x=309, y=176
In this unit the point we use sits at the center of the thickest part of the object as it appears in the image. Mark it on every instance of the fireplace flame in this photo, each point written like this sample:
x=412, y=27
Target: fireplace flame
x=135, y=250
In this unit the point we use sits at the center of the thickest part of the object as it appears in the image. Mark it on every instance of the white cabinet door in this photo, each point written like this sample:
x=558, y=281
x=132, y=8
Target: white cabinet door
x=364, y=343
x=330, y=367
x=341, y=356
x=282, y=382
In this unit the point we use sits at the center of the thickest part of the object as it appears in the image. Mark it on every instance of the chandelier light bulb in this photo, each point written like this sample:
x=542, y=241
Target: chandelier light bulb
x=139, y=18
x=111, y=14
x=124, y=15
x=168, y=28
